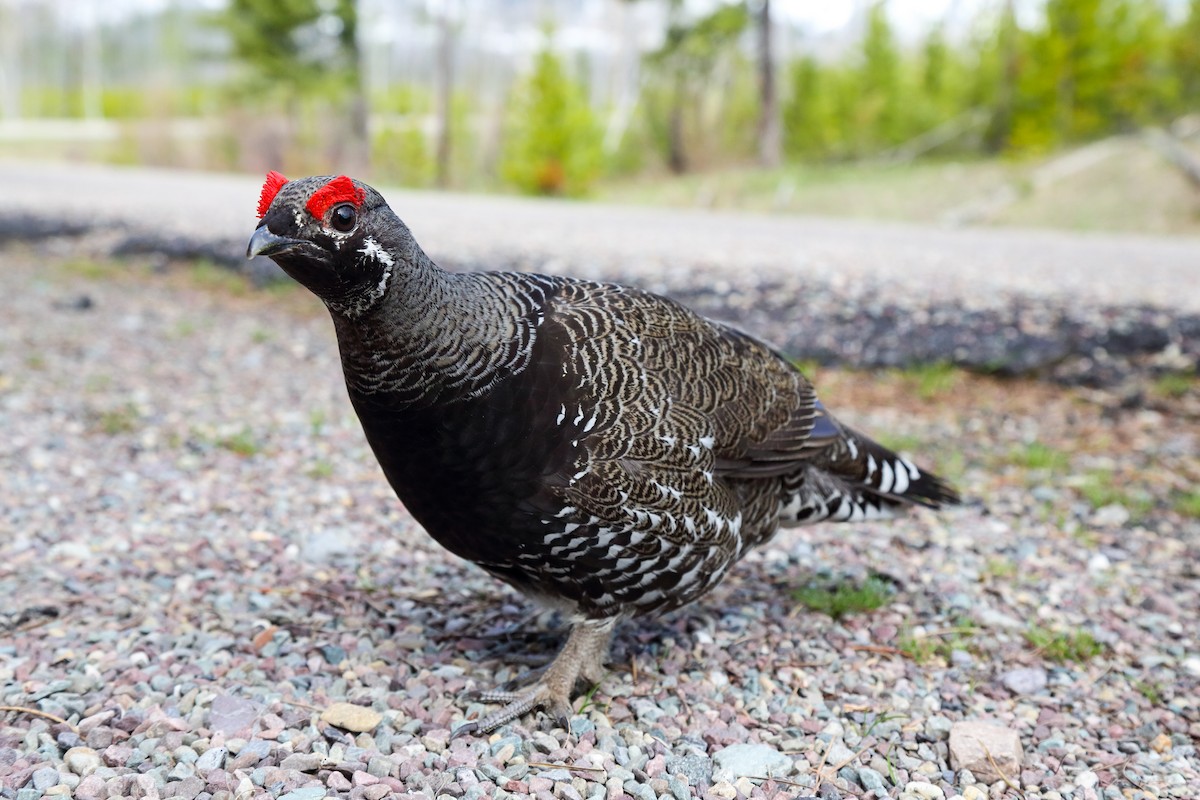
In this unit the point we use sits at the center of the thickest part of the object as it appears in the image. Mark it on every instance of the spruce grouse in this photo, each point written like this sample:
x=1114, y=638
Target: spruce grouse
x=602, y=449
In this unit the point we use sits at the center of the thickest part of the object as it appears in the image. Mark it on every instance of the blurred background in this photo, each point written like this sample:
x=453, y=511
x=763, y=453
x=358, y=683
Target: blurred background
x=1068, y=113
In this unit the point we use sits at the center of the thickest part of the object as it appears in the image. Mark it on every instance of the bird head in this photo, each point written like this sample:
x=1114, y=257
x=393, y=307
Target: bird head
x=334, y=235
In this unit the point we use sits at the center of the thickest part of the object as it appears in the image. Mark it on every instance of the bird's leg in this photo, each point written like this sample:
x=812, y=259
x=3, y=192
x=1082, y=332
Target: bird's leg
x=582, y=657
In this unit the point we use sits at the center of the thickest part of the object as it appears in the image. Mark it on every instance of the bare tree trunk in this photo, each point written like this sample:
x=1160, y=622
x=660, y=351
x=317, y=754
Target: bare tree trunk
x=1000, y=128
x=445, y=97
x=91, y=81
x=10, y=69
x=770, y=134
x=676, y=156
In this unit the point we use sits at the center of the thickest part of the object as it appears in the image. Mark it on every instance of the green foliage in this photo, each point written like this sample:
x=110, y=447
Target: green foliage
x=296, y=47
x=840, y=598
x=403, y=155
x=553, y=142
x=1036, y=455
x=1063, y=646
x=1085, y=69
x=697, y=64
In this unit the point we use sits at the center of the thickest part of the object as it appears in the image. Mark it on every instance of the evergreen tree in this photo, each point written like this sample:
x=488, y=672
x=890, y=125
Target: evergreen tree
x=553, y=144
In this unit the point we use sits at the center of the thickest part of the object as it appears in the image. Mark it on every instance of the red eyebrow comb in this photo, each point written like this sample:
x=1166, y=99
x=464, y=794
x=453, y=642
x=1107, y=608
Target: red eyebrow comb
x=274, y=183
x=339, y=190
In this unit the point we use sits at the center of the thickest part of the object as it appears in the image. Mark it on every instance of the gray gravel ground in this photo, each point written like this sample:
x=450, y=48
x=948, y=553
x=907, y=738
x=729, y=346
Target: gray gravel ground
x=201, y=561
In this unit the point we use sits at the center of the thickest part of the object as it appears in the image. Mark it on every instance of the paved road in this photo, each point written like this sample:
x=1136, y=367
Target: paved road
x=975, y=265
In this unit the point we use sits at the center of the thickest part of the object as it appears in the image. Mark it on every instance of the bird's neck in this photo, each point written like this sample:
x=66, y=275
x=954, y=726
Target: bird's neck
x=437, y=337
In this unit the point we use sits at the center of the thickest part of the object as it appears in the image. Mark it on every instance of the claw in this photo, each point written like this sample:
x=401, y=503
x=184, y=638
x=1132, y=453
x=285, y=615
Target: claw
x=548, y=688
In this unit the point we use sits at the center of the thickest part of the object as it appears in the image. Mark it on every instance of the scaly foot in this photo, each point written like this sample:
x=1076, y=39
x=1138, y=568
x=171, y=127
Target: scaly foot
x=582, y=657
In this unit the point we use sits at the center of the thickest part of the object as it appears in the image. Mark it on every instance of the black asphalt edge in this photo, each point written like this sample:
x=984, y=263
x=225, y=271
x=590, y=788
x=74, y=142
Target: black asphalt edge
x=1067, y=343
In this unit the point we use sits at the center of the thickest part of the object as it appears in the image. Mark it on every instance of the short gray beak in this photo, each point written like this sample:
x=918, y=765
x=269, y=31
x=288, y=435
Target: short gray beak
x=265, y=243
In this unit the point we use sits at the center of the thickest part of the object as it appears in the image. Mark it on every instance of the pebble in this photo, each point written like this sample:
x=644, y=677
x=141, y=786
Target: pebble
x=83, y=761
x=213, y=758
x=871, y=780
x=919, y=790
x=752, y=760
x=1024, y=680
x=351, y=717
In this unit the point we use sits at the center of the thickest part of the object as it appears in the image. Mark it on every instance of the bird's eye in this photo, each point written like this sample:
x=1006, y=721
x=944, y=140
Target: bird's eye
x=343, y=218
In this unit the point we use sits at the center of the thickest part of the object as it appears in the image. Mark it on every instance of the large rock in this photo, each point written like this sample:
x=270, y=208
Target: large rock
x=991, y=751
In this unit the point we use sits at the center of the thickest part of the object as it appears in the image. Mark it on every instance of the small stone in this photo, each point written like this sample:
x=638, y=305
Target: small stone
x=230, y=715
x=91, y=788
x=210, y=759
x=303, y=762
x=436, y=741
x=44, y=778
x=379, y=766
x=83, y=761
x=974, y=793
x=679, y=790
x=696, y=768
x=1114, y=515
x=938, y=727
x=1024, y=680
x=723, y=789
x=1161, y=743
x=377, y=792
x=751, y=760
x=338, y=782
x=307, y=793
x=871, y=780
x=351, y=717
x=1087, y=779
x=920, y=790
x=991, y=751
x=838, y=754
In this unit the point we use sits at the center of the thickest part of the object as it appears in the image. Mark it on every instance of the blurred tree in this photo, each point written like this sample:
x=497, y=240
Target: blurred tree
x=879, y=105
x=686, y=60
x=770, y=135
x=298, y=50
x=1185, y=58
x=553, y=144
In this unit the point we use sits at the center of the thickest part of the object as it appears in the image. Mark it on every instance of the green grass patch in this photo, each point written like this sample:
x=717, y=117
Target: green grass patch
x=243, y=443
x=1151, y=690
x=932, y=380
x=1100, y=488
x=999, y=569
x=92, y=269
x=320, y=469
x=214, y=277
x=925, y=646
x=840, y=598
x=1174, y=384
x=1187, y=503
x=1035, y=455
x=114, y=421
x=1063, y=646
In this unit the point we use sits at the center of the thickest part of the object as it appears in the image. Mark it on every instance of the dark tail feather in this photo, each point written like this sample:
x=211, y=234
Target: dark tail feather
x=888, y=475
